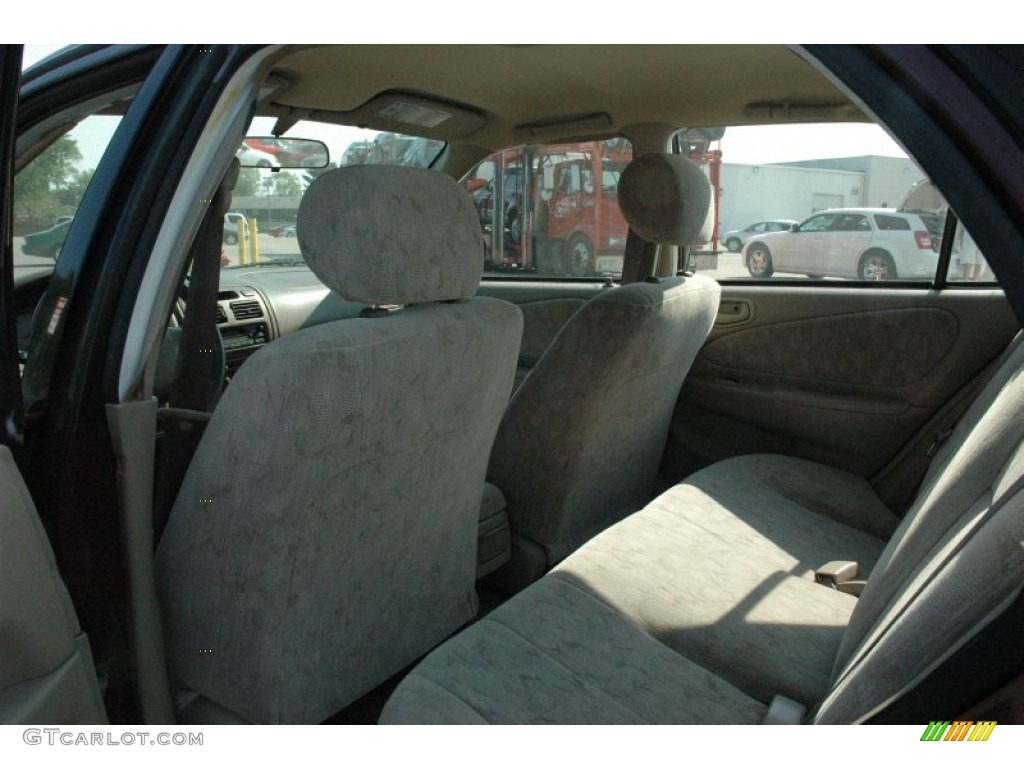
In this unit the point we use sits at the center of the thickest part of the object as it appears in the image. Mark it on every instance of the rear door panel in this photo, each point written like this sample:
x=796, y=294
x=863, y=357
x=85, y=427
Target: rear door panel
x=844, y=376
x=841, y=375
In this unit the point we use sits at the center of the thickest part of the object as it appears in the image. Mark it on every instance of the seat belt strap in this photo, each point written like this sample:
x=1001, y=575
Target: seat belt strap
x=190, y=389
x=199, y=334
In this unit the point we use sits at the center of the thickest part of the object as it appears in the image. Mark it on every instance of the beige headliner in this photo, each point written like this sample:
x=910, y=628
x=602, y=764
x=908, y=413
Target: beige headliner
x=685, y=85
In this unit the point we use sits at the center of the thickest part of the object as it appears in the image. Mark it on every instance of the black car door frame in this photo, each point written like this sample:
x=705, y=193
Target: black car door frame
x=81, y=321
x=10, y=377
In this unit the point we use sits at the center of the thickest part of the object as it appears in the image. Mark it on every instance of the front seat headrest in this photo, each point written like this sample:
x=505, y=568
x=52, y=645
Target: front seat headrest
x=391, y=235
x=666, y=199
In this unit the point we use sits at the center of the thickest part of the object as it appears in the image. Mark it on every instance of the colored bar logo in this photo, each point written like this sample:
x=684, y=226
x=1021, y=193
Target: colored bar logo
x=958, y=730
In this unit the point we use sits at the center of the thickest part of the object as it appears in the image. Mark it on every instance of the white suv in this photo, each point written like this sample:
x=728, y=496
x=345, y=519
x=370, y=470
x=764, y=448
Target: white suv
x=860, y=243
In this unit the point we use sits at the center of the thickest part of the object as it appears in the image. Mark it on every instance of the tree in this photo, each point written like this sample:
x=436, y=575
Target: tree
x=285, y=185
x=52, y=171
x=75, y=189
x=248, y=183
x=51, y=184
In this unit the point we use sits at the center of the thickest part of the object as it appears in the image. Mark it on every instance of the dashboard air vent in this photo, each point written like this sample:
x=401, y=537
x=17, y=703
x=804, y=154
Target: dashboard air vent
x=246, y=310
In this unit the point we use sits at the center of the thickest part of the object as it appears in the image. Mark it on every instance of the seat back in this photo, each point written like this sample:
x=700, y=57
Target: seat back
x=47, y=673
x=325, y=534
x=580, y=443
x=954, y=564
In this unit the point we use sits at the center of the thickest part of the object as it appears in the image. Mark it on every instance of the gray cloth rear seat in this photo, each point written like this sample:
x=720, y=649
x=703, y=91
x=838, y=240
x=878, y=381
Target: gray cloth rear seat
x=702, y=606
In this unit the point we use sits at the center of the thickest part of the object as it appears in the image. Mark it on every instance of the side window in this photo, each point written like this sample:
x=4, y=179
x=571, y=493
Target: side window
x=48, y=189
x=851, y=222
x=968, y=264
x=821, y=223
x=890, y=223
x=833, y=201
x=47, y=192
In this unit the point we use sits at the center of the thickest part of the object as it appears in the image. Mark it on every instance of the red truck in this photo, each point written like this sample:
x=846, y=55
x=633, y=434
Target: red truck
x=560, y=204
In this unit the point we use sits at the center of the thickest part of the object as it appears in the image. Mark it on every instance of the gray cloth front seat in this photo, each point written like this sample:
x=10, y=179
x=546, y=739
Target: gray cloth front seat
x=324, y=536
x=580, y=444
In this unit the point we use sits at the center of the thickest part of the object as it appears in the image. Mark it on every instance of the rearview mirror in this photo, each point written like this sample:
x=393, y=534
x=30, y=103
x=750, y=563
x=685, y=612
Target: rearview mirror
x=274, y=152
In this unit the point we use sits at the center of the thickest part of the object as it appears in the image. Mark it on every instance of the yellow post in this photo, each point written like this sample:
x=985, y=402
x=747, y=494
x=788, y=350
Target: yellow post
x=254, y=230
x=243, y=243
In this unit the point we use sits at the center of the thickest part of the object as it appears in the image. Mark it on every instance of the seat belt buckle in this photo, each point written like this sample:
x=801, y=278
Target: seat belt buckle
x=841, y=575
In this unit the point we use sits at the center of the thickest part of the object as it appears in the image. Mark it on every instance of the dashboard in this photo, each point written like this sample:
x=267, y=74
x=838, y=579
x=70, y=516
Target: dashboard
x=258, y=304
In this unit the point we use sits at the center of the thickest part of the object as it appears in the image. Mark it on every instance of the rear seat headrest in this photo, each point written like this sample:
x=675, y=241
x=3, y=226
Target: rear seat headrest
x=391, y=235
x=666, y=199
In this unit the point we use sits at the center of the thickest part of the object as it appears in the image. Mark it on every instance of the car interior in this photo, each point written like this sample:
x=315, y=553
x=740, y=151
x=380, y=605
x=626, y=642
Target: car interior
x=401, y=468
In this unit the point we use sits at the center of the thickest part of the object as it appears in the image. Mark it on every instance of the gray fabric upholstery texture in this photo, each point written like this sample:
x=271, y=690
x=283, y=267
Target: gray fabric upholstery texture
x=883, y=348
x=37, y=603
x=747, y=484
x=555, y=654
x=666, y=199
x=721, y=570
x=963, y=481
x=963, y=582
x=391, y=235
x=542, y=320
x=718, y=570
x=325, y=534
x=600, y=398
x=46, y=674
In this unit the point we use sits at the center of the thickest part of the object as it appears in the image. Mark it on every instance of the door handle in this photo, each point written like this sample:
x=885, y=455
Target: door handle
x=734, y=311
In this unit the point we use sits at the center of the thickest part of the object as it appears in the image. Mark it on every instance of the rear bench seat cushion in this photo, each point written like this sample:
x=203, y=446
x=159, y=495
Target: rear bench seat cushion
x=714, y=579
x=721, y=570
x=556, y=654
x=782, y=482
